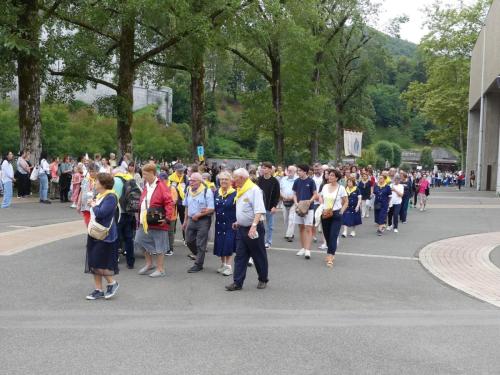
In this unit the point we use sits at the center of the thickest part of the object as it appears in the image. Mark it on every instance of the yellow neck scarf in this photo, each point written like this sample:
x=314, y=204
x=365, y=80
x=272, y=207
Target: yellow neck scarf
x=351, y=190
x=383, y=185
x=228, y=192
x=105, y=193
x=180, y=183
x=194, y=193
x=246, y=186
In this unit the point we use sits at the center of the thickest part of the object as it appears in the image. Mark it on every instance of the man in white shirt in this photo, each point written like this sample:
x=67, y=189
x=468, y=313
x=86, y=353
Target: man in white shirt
x=7, y=179
x=286, y=191
x=250, y=235
x=318, y=181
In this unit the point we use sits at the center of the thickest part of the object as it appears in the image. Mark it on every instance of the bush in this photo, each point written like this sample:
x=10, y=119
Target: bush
x=396, y=150
x=405, y=167
x=265, y=150
x=385, y=151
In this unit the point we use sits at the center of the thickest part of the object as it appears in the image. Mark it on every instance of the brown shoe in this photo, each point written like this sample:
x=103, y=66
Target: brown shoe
x=330, y=260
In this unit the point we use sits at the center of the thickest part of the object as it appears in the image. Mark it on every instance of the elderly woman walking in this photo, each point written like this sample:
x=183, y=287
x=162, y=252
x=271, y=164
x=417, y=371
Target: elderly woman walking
x=152, y=235
x=102, y=255
x=382, y=192
x=225, y=217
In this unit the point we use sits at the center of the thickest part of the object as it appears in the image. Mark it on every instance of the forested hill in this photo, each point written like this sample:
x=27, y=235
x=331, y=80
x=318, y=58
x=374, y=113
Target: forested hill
x=395, y=46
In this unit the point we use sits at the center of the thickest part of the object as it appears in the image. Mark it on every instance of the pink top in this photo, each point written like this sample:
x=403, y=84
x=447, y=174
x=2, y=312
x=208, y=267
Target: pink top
x=424, y=184
x=53, y=169
x=77, y=178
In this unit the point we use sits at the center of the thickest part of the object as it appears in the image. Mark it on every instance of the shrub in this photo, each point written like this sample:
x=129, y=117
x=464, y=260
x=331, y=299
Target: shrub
x=396, y=150
x=385, y=151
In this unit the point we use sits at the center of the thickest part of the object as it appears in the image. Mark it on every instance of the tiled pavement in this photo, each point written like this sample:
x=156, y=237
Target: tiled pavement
x=464, y=263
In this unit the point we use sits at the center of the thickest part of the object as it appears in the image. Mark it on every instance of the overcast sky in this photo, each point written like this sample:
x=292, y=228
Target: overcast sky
x=413, y=30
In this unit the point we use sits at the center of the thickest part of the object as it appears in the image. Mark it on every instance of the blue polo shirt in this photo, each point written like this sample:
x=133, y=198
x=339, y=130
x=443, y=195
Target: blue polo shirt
x=304, y=189
x=195, y=204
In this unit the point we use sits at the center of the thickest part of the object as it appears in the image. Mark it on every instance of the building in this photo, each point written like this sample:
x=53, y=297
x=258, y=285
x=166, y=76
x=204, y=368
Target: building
x=444, y=159
x=483, y=155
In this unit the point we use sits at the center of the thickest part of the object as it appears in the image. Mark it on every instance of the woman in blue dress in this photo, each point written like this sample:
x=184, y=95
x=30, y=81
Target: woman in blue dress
x=382, y=192
x=225, y=216
x=352, y=215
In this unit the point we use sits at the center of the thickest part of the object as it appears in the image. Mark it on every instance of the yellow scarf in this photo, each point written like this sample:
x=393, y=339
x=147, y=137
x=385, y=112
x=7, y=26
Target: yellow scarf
x=180, y=183
x=246, y=186
x=383, y=185
x=197, y=191
x=351, y=190
x=228, y=192
x=105, y=193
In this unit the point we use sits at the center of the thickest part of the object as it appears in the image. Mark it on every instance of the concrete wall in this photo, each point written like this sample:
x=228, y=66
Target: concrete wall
x=472, y=143
x=492, y=55
x=490, y=151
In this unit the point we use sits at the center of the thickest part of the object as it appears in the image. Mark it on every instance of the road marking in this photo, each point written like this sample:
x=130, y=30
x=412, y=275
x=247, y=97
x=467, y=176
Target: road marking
x=464, y=263
x=338, y=253
x=18, y=226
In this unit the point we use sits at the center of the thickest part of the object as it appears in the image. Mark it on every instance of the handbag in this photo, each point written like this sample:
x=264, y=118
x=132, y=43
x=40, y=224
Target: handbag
x=288, y=203
x=377, y=206
x=328, y=213
x=154, y=215
x=98, y=231
x=34, y=174
x=303, y=208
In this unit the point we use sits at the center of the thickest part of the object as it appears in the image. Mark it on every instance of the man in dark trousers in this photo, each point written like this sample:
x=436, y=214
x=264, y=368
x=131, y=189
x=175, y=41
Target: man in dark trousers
x=250, y=231
x=270, y=187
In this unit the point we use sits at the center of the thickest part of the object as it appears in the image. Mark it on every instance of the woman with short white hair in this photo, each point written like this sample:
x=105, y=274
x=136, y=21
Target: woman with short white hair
x=225, y=217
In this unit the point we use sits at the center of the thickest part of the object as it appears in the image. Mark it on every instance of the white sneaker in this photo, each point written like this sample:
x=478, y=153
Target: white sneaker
x=323, y=247
x=228, y=271
x=344, y=234
x=389, y=228
x=73, y=205
x=250, y=262
x=308, y=254
x=421, y=210
x=221, y=268
x=396, y=230
x=353, y=233
x=301, y=252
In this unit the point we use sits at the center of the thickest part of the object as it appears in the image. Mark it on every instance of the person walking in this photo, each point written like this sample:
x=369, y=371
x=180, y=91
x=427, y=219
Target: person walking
x=199, y=204
x=250, y=235
x=352, y=214
x=64, y=179
x=271, y=191
x=305, y=194
x=225, y=217
x=407, y=193
x=76, y=182
x=366, y=190
x=152, y=235
x=423, y=187
x=102, y=255
x=8, y=179
x=286, y=191
x=333, y=197
x=43, y=176
x=179, y=180
x=396, y=202
x=87, y=193
x=382, y=192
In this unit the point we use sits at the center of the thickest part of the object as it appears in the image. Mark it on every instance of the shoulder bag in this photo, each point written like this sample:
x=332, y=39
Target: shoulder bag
x=98, y=231
x=328, y=213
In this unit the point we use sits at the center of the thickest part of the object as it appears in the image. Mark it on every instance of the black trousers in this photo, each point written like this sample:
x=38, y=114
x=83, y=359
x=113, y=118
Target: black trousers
x=247, y=248
x=182, y=212
x=393, y=215
x=126, y=229
x=331, y=230
x=64, y=182
x=23, y=184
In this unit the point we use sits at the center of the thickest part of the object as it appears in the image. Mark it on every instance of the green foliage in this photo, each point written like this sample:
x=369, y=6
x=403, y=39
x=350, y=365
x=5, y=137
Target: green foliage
x=389, y=108
x=405, y=167
x=426, y=159
x=219, y=147
x=396, y=151
x=9, y=133
x=384, y=150
x=265, y=150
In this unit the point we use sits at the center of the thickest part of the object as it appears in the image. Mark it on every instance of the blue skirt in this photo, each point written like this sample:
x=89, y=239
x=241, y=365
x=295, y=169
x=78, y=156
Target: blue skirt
x=102, y=257
x=381, y=215
x=351, y=218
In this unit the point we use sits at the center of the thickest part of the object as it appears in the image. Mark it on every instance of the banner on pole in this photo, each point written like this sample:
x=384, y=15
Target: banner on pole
x=353, y=143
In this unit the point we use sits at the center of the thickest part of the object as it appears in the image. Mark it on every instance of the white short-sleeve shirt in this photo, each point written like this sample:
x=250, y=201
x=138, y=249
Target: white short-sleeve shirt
x=333, y=199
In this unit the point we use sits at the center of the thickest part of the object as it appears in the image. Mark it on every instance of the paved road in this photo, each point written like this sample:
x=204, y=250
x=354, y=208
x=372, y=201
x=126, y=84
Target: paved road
x=377, y=312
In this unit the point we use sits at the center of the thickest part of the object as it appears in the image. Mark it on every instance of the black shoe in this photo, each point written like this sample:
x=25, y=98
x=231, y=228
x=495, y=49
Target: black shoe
x=261, y=285
x=233, y=287
x=130, y=267
x=195, y=269
x=169, y=253
x=289, y=239
x=96, y=294
x=191, y=256
x=46, y=202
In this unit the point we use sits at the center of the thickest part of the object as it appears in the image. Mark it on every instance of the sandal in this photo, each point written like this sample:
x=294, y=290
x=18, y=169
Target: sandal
x=329, y=262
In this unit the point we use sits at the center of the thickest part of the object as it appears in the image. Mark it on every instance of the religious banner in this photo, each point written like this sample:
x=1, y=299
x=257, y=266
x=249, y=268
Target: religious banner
x=352, y=143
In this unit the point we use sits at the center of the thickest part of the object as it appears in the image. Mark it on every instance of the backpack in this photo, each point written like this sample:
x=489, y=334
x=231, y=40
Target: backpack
x=131, y=196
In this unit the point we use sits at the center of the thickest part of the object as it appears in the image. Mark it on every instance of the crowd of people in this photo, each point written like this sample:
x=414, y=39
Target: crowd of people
x=129, y=208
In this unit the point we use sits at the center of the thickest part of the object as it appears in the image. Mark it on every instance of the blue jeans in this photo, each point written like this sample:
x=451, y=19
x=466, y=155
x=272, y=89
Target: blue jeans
x=44, y=186
x=7, y=194
x=269, y=227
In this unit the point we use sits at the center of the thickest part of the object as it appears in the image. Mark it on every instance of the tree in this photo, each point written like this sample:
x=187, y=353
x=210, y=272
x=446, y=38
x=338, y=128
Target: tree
x=447, y=48
x=426, y=159
x=265, y=150
x=396, y=152
x=385, y=151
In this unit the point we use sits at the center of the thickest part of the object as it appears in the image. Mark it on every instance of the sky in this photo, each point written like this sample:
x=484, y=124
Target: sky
x=412, y=31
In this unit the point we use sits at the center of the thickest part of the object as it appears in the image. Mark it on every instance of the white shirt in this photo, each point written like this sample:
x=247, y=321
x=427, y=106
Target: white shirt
x=7, y=171
x=317, y=181
x=396, y=199
x=150, y=189
x=329, y=197
x=248, y=205
x=44, y=167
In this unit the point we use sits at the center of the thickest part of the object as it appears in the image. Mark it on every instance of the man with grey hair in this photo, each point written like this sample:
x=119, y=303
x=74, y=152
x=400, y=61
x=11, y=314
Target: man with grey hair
x=199, y=203
x=286, y=191
x=250, y=234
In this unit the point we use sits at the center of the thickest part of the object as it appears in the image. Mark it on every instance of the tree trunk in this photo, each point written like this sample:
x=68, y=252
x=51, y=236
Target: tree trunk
x=28, y=72
x=125, y=93
x=198, y=106
x=315, y=133
x=339, y=142
x=276, y=88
